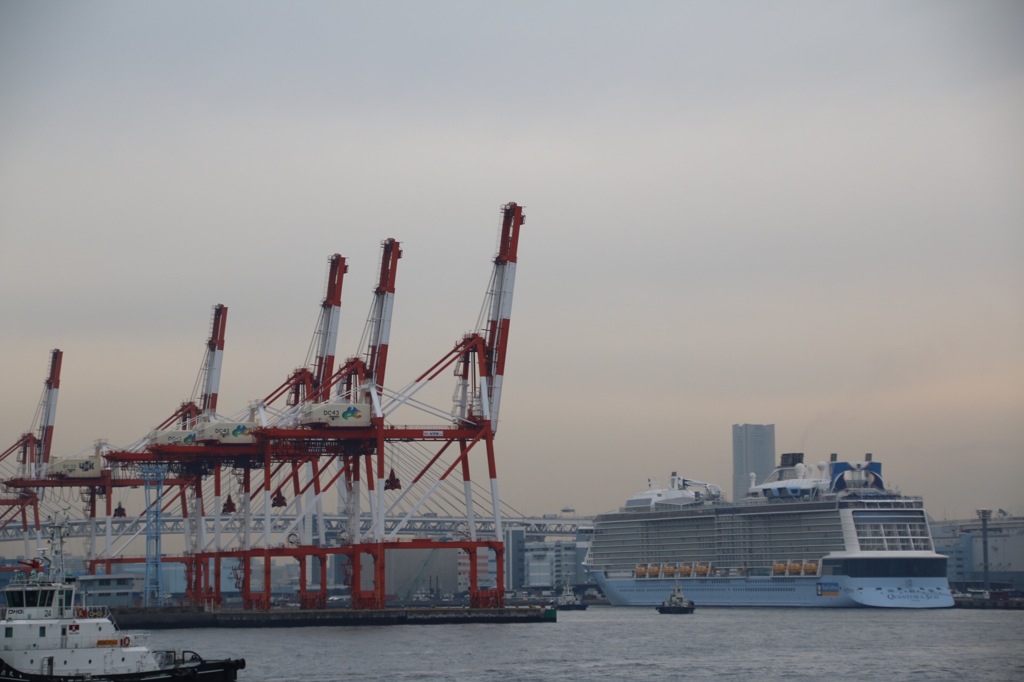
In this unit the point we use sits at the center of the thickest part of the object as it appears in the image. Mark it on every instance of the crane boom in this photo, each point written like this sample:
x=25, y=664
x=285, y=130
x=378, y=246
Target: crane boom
x=326, y=336
x=503, y=281
x=214, y=359
x=49, y=405
x=379, y=324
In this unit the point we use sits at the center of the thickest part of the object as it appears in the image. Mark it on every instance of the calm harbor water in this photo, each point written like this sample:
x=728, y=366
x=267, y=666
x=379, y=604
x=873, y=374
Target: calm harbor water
x=609, y=643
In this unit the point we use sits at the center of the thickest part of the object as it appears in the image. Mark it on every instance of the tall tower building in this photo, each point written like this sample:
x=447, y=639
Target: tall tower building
x=753, y=450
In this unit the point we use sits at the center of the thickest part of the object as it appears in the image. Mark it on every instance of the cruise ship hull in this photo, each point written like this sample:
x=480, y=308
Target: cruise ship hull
x=810, y=591
x=826, y=535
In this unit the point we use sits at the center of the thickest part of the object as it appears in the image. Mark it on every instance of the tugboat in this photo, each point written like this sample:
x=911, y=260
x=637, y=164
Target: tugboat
x=568, y=601
x=676, y=602
x=46, y=636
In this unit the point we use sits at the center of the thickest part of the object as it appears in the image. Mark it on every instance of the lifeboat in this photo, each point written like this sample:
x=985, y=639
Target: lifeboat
x=778, y=568
x=654, y=570
x=810, y=568
x=685, y=570
x=669, y=570
x=702, y=569
x=640, y=571
x=796, y=567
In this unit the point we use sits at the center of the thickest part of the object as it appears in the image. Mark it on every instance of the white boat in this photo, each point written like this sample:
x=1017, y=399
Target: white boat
x=568, y=601
x=821, y=535
x=676, y=602
x=47, y=635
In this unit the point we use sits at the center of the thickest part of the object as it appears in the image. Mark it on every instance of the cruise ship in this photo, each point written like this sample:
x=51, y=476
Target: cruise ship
x=818, y=535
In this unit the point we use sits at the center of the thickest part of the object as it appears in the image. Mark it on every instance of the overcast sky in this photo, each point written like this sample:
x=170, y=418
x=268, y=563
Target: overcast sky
x=809, y=214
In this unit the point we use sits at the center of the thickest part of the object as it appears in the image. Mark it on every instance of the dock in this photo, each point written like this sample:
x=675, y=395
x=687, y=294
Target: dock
x=174, y=618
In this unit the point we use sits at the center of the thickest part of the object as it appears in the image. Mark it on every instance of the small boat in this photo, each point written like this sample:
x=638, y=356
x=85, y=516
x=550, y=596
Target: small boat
x=676, y=602
x=568, y=601
x=49, y=637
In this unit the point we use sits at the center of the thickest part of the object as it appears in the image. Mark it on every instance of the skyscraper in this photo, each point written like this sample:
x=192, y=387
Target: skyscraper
x=753, y=450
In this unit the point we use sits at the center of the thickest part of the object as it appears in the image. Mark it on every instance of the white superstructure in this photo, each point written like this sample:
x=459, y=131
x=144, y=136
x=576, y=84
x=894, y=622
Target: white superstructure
x=829, y=534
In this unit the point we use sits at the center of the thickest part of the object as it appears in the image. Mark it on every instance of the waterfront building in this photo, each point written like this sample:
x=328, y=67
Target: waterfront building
x=753, y=451
x=553, y=565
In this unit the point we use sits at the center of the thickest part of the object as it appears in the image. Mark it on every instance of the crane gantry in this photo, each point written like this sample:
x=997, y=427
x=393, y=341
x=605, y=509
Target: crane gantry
x=327, y=430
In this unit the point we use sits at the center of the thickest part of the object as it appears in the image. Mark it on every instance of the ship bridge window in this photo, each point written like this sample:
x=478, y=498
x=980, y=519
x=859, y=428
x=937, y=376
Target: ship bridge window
x=15, y=599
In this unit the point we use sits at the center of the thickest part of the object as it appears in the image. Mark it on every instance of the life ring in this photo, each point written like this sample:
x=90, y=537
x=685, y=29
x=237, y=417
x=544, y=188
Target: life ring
x=126, y=641
x=80, y=613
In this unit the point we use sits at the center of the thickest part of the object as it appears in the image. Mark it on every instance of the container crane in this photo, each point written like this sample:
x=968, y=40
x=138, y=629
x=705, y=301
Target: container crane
x=33, y=450
x=305, y=447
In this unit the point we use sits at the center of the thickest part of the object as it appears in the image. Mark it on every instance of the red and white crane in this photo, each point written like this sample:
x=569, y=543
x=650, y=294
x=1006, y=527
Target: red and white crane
x=325, y=339
x=503, y=280
x=331, y=431
x=212, y=363
x=183, y=424
x=33, y=448
x=378, y=326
